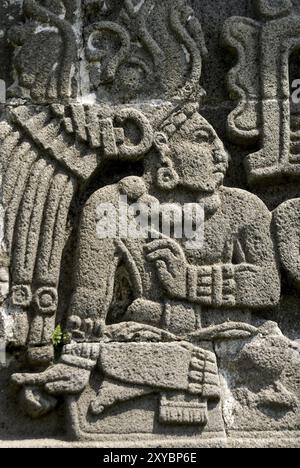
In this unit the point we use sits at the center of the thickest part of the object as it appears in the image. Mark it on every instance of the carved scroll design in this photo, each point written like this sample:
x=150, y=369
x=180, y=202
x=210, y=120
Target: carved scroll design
x=150, y=56
x=264, y=99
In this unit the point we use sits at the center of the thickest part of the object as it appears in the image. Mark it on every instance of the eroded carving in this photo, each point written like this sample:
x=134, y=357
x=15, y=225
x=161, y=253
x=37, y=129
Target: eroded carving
x=143, y=292
x=261, y=384
x=286, y=218
x=46, y=50
x=45, y=155
x=260, y=83
x=175, y=291
x=151, y=48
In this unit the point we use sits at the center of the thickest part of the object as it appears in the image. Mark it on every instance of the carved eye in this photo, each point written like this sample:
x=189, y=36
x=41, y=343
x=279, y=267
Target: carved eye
x=203, y=135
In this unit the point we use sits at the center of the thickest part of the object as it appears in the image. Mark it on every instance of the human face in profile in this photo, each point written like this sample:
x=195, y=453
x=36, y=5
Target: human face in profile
x=198, y=155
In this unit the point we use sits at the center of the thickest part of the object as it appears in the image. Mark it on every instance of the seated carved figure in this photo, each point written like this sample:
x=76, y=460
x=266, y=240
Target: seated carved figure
x=145, y=310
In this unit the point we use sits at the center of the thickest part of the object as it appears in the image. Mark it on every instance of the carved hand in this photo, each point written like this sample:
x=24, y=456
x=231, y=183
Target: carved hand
x=57, y=380
x=171, y=265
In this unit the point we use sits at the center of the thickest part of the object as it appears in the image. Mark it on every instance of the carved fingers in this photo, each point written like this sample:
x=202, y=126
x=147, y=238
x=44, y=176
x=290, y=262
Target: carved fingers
x=170, y=262
x=28, y=379
x=169, y=244
x=136, y=332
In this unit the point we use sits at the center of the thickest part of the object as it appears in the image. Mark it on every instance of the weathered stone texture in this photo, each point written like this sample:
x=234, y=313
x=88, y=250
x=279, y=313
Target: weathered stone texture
x=114, y=108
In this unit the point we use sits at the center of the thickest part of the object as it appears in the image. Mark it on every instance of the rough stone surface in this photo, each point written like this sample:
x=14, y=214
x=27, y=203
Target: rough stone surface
x=115, y=109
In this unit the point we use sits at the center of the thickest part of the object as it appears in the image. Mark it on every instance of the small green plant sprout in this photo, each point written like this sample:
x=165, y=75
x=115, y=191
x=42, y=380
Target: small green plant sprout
x=59, y=337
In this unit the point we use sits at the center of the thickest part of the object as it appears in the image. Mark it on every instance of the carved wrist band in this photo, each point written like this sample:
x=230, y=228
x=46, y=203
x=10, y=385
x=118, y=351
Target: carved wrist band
x=83, y=350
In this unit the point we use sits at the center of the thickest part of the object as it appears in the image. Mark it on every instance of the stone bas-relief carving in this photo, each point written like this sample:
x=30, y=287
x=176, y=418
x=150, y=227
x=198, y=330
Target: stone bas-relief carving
x=46, y=50
x=164, y=341
x=117, y=51
x=261, y=82
x=161, y=50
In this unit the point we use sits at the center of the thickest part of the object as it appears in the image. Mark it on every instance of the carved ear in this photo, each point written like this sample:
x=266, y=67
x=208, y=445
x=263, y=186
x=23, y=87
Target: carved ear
x=167, y=177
